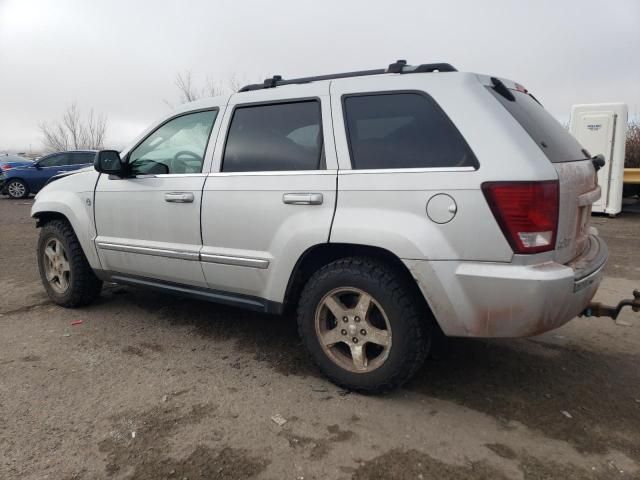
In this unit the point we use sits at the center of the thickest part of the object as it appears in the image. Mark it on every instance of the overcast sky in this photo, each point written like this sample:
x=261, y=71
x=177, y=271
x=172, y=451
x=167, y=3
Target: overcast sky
x=121, y=57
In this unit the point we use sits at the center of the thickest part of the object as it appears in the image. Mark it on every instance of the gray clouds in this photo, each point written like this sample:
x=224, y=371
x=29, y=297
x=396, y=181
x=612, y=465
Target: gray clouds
x=120, y=57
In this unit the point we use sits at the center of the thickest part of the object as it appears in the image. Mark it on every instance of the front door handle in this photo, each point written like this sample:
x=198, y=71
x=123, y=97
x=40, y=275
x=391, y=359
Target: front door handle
x=179, y=197
x=302, y=198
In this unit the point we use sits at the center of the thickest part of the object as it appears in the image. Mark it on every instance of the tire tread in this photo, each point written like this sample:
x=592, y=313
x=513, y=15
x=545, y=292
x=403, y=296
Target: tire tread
x=85, y=287
x=402, y=296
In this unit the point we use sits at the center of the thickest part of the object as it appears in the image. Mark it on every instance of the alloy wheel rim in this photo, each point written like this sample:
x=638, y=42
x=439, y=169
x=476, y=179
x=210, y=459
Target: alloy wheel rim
x=56, y=266
x=16, y=189
x=353, y=329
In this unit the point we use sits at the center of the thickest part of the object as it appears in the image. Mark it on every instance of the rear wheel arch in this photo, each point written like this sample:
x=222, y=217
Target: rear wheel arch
x=320, y=255
x=366, y=330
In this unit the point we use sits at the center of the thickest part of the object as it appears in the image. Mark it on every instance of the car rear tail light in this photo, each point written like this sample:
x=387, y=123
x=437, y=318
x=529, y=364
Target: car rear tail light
x=5, y=167
x=527, y=213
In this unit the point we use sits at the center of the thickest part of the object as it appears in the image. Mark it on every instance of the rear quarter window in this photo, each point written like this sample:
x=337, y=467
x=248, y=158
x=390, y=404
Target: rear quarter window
x=402, y=130
x=553, y=139
x=82, y=158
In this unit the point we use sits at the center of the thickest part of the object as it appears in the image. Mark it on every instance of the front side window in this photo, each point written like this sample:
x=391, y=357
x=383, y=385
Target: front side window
x=402, y=130
x=276, y=137
x=178, y=146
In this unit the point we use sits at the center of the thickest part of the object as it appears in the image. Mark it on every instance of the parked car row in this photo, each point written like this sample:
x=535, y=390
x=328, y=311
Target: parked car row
x=20, y=177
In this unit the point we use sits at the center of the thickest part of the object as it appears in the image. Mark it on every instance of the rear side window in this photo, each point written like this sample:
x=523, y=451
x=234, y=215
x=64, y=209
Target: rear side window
x=58, y=160
x=402, y=130
x=82, y=158
x=553, y=139
x=275, y=137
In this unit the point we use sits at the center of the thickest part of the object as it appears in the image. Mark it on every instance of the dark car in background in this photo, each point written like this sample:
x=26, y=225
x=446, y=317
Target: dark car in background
x=21, y=180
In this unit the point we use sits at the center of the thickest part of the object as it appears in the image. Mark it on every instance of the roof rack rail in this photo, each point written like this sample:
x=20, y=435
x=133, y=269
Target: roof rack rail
x=399, y=66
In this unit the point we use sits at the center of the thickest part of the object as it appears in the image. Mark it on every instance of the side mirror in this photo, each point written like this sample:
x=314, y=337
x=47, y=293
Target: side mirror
x=109, y=162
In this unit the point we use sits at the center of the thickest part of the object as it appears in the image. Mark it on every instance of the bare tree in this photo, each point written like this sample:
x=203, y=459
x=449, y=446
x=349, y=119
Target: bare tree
x=96, y=130
x=212, y=88
x=234, y=83
x=190, y=92
x=632, y=150
x=74, y=131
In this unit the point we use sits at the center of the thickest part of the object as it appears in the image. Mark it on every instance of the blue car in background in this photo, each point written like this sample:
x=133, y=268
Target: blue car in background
x=19, y=181
x=7, y=162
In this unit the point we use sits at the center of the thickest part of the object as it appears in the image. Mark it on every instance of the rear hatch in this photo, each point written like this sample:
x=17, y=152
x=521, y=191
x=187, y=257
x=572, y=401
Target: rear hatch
x=576, y=173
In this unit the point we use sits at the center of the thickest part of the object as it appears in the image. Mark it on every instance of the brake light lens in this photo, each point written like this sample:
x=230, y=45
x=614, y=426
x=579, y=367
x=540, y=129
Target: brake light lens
x=5, y=167
x=527, y=213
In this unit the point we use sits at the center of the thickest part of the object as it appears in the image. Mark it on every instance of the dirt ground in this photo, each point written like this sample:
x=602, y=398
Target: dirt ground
x=155, y=387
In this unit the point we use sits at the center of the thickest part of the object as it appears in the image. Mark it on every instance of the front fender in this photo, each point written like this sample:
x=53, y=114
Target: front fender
x=77, y=208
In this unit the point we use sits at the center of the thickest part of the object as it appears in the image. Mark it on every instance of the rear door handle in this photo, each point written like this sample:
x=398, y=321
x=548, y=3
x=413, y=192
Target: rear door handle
x=302, y=198
x=179, y=197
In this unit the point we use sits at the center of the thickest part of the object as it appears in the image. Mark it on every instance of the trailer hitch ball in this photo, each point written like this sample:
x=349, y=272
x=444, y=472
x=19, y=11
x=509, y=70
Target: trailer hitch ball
x=597, y=309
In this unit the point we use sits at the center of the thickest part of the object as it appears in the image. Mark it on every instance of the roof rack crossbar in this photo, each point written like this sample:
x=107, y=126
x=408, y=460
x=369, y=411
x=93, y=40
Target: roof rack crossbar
x=400, y=66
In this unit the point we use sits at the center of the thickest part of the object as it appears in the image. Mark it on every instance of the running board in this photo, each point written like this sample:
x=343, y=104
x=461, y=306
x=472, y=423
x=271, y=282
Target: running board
x=228, y=298
x=597, y=309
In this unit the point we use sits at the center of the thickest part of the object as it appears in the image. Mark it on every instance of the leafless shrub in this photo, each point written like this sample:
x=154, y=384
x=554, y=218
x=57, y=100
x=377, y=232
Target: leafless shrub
x=74, y=132
x=632, y=151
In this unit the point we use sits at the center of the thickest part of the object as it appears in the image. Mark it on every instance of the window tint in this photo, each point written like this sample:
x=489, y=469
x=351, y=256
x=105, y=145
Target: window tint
x=402, y=130
x=553, y=139
x=82, y=158
x=57, y=160
x=283, y=136
x=178, y=146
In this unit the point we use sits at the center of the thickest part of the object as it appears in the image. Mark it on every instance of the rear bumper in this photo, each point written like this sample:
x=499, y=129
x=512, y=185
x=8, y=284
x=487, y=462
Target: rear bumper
x=482, y=299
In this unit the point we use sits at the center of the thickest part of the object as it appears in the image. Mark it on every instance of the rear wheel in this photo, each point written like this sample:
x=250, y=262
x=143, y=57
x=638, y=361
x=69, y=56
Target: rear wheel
x=16, y=188
x=363, y=325
x=65, y=272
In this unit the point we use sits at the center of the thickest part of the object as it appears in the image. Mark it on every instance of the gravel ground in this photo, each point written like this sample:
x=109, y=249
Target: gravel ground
x=152, y=387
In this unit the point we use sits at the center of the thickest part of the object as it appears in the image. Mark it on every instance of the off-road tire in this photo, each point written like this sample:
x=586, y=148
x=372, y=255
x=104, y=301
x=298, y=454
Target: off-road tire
x=84, y=286
x=16, y=182
x=411, y=323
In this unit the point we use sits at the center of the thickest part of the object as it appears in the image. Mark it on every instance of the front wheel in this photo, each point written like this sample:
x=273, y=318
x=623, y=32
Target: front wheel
x=363, y=324
x=65, y=272
x=16, y=188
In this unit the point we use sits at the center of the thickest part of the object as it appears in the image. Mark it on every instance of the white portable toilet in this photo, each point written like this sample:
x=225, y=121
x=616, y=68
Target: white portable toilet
x=602, y=128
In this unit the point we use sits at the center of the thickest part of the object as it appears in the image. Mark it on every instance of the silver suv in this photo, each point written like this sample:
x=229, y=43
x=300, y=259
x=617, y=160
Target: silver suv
x=385, y=207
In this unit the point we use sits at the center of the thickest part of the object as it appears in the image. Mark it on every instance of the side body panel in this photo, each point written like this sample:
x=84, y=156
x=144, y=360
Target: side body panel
x=72, y=196
x=143, y=231
x=388, y=207
x=139, y=233
x=251, y=238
